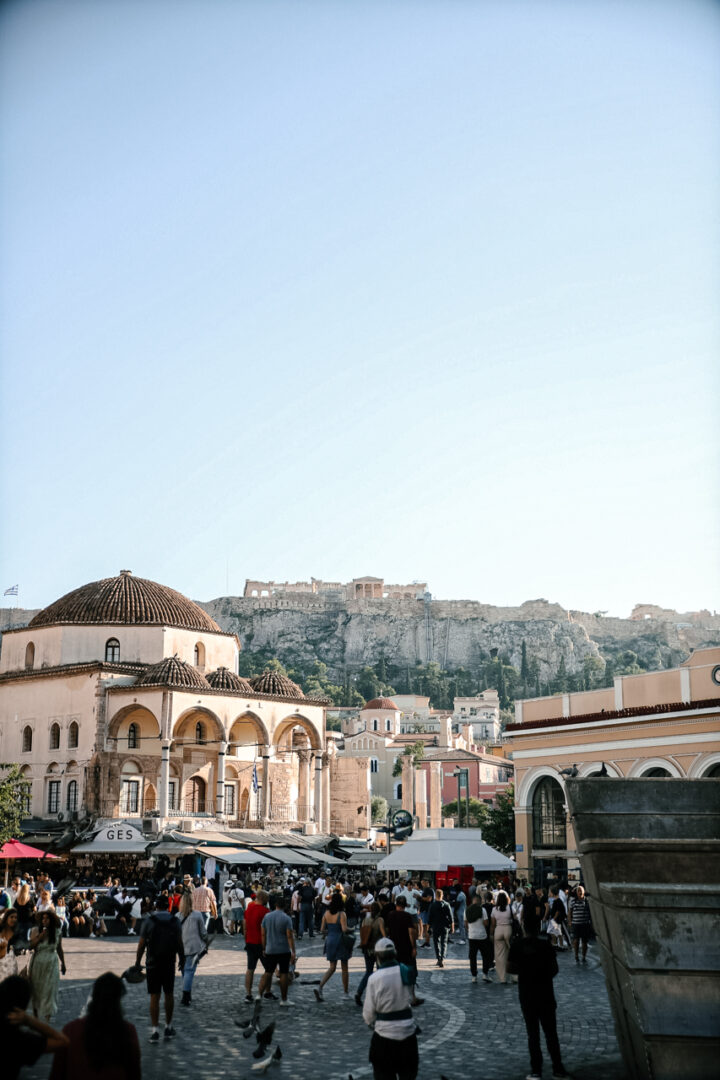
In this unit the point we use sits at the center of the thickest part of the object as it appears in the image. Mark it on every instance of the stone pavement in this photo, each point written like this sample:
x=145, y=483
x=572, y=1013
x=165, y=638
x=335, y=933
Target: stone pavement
x=473, y=1031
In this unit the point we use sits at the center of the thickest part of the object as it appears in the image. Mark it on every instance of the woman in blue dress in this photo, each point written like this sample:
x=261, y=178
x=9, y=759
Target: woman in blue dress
x=334, y=924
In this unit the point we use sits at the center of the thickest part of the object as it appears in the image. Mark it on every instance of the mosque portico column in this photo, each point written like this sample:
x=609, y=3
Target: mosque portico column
x=318, y=789
x=164, y=793
x=304, y=785
x=325, y=818
x=220, y=786
x=265, y=793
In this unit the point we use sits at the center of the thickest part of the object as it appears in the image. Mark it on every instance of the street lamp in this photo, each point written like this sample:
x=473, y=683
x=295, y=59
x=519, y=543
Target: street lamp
x=462, y=776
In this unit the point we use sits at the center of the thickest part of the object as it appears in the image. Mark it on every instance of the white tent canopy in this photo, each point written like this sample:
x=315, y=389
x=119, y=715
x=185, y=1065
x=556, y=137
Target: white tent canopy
x=439, y=849
x=236, y=856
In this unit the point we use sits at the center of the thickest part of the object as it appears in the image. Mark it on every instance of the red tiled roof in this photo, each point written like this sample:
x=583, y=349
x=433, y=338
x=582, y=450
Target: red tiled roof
x=381, y=703
x=615, y=714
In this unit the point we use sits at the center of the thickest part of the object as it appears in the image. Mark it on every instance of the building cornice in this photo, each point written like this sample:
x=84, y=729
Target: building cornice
x=87, y=666
x=238, y=695
x=602, y=719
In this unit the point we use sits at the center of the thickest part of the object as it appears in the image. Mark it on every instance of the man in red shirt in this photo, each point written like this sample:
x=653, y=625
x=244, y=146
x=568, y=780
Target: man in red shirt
x=255, y=912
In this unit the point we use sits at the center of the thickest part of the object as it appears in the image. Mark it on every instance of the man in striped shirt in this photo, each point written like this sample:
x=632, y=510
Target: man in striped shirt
x=203, y=900
x=580, y=923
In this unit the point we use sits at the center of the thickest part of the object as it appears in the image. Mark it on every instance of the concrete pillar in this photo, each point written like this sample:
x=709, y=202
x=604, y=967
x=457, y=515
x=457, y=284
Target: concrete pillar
x=318, y=789
x=618, y=684
x=685, y=695
x=164, y=792
x=408, y=768
x=436, y=768
x=325, y=820
x=421, y=798
x=220, y=785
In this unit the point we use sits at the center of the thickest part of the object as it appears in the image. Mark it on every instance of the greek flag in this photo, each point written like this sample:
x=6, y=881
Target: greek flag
x=12, y=591
x=256, y=786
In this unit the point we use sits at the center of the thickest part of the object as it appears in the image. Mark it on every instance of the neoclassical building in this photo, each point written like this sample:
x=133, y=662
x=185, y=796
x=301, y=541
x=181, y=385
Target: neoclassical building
x=122, y=698
x=656, y=724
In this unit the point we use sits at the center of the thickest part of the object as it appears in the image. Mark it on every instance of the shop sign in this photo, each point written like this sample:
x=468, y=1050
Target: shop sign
x=146, y=862
x=119, y=834
x=519, y=847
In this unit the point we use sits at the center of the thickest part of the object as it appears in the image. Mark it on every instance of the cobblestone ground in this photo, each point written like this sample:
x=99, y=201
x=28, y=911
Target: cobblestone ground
x=474, y=1032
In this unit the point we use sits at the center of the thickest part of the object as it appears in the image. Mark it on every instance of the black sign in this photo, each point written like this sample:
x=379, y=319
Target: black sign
x=402, y=819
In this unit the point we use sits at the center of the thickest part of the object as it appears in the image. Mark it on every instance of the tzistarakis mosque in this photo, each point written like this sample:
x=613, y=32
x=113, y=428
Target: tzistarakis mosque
x=123, y=698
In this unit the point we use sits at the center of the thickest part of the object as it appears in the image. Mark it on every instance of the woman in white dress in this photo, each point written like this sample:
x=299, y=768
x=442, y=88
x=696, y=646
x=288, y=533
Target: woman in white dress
x=8, y=929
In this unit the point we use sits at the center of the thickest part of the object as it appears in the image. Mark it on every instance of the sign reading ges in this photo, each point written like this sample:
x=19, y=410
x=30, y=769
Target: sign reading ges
x=119, y=834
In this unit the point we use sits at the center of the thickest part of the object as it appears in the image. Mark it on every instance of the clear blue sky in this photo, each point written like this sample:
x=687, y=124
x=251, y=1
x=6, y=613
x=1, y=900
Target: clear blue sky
x=419, y=290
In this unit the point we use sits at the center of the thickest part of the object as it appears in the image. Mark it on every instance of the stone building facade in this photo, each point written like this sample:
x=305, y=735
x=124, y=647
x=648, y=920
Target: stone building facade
x=122, y=699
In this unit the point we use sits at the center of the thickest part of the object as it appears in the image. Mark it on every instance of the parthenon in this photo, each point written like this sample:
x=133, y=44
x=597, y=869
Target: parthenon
x=360, y=588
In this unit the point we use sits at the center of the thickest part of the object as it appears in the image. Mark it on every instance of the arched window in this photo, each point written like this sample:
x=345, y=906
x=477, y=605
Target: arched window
x=27, y=740
x=388, y=724
x=71, y=802
x=376, y=725
x=112, y=651
x=73, y=735
x=199, y=655
x=26, y=792
x=199, y=732
x=713, y=772
x=373, y=764
x=55, y=737
x=657, y=773
x=133, y=737
x=29, y=656
x=548, y=814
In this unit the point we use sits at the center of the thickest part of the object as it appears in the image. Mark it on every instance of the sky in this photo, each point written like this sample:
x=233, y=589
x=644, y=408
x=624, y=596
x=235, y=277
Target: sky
x=420, y=290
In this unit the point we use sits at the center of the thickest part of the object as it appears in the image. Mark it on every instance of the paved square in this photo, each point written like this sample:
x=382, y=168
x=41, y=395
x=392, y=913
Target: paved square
x=473, y=1031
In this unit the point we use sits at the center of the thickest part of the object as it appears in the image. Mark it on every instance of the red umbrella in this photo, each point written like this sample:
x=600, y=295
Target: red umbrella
x=13, y=849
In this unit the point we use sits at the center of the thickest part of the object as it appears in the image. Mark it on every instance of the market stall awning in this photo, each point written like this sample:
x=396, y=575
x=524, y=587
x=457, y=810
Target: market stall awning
x=14, y=849
x=173, y=848
x=365, y=858
x=290, y=857
x=438, y=849
x=237, y=856
x=116, y=839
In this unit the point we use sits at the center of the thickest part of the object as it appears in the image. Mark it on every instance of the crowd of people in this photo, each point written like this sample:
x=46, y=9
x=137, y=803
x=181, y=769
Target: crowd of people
x=514, y=930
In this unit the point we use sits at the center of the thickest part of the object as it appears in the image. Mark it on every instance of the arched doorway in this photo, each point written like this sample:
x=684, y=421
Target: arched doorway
x=548, y=815
x=195, y=790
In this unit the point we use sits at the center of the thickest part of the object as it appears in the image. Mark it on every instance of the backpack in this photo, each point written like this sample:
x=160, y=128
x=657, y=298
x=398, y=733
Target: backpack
x=161, y=936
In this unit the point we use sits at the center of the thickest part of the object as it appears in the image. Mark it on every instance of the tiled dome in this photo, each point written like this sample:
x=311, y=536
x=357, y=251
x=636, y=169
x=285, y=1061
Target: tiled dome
x=172, y=671
x=224, y=679
x=272, y=682
x=381, y=703
x=126, y=600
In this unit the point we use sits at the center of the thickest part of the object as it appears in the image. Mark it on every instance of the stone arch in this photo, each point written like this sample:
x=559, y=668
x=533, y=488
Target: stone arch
x=184, y=728
x=704, y=764
x=147, y=730
x=592, y=768
x=247, y=729
x=150, y=797
x=30, y=656
x=288, y=723
x=530, y=781
x=644, y=765
x=195, y=795
x=549, y=814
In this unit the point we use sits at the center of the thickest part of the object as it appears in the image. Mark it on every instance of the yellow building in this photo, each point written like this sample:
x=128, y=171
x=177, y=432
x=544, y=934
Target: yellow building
x=662, y=723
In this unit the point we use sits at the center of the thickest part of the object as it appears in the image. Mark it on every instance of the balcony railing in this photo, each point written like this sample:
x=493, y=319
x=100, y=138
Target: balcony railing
x=121, y=808
x=295, y=812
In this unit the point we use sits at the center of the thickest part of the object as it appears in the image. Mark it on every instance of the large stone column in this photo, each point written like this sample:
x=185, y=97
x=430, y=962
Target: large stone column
x=408, y=768
x=304, y=785
x=318, y=789
x=421, y=798
x=164, y=792
x=220, y=785
x=265, y=793
x=325, y=794
x=436, y=768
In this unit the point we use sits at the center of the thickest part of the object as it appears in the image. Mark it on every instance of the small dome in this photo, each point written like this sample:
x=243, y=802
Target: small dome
x=381, y=703
x=172, y=671
x=272, y=682
x=224, y=679
x=129, y=601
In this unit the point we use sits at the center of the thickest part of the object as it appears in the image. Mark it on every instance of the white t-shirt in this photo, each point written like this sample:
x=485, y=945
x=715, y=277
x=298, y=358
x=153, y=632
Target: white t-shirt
x=365, y=901
x=412, y=896
x=236, y=897
x=319, y=885
x=476, y=930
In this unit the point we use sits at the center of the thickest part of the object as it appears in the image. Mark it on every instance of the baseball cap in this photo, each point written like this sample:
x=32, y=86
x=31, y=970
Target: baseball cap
x=385, y=945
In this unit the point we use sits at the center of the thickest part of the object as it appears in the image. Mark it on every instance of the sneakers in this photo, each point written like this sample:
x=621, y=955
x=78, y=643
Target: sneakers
x=287, y=1004
x=486, y=978
x=248, y=999
x=473, y=978
x=169, y=1032
x=417, y=1001
x=318, y=995
x=270, y=996
x=155, y=1037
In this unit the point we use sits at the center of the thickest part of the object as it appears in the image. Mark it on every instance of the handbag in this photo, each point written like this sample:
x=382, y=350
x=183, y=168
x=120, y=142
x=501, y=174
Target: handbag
x=515, y=930
x=348, y=940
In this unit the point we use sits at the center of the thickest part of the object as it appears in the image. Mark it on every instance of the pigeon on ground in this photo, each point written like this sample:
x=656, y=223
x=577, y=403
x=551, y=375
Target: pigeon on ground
x=569, y=772
x=249, y=1027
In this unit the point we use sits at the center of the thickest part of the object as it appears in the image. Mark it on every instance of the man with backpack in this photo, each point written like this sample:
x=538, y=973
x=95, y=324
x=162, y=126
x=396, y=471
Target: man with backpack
x=440, y=919
x=161, y=938
x=306, y=897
